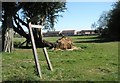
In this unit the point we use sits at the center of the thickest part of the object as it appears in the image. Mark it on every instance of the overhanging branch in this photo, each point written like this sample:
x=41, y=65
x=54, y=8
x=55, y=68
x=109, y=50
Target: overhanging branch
x=20, y=30
x=23, y=23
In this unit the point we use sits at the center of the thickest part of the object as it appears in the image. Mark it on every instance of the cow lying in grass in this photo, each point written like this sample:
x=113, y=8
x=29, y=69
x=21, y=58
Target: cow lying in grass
x=64, y=43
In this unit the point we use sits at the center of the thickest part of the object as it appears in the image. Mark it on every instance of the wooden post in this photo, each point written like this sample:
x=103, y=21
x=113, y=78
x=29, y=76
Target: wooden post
x=44, y=49
x=47, y=59
x=34, y=51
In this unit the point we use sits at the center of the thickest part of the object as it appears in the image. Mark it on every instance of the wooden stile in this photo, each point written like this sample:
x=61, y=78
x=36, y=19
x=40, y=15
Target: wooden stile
x=35, y=51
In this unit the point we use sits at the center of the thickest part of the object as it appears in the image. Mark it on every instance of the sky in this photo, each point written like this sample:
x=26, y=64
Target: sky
x=80, y=15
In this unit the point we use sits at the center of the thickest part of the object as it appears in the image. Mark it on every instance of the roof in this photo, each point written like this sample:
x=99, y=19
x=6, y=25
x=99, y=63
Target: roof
x=53, y=32
x=67, y=30
x=78, y=31
x=87, y=30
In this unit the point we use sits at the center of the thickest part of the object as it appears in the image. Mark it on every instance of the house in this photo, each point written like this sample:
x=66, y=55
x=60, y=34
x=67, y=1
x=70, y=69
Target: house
x=86, y=32
x=78, y=33
x=51, y=33
x=68, y=32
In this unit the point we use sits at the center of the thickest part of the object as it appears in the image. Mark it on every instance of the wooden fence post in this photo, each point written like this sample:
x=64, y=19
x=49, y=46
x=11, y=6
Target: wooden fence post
x=34, y=51
x=47, y=59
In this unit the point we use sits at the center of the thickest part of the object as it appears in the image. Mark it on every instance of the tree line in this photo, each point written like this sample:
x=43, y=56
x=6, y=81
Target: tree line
x=108, y=23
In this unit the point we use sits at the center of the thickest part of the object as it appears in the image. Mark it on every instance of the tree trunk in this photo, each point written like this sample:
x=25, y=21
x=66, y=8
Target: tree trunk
x=38, y=37
x=8, y=35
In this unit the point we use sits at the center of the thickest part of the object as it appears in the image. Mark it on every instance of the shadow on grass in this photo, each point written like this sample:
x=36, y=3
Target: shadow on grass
x=57, y=81
x=25, y=47
x=21, y=81
x=97, y=37
x=100, y=40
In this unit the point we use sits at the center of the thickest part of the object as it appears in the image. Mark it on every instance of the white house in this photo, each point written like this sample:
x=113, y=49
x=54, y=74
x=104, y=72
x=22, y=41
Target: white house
x=86, y=32
x=51, y=33
x=68, y=32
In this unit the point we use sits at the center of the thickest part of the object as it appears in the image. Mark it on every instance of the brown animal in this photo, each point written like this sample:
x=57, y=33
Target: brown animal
x=64, y=43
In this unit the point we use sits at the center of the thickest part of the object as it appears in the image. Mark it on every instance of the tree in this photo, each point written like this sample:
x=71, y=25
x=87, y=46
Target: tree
x=114, y=22
x=43, y=13
x=94, y=26
x=8, y=11
x=46, y=15
x=102, y=23
x=103, y=20
x=109, y=22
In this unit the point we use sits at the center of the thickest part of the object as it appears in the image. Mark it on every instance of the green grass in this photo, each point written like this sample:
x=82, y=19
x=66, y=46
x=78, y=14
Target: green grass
x=96, y=61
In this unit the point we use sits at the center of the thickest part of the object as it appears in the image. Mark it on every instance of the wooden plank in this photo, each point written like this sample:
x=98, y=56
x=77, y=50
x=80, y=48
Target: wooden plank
x=35, y=51
x=36, y=26
x=47, y=59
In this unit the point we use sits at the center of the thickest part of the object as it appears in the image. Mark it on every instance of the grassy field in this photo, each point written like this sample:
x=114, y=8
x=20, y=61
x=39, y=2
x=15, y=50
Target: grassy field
x=95, y=61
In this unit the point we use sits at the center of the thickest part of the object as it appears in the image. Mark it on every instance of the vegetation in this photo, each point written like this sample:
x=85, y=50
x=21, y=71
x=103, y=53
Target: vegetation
x=94, y=61
x=109, y=23
x=17, y=15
